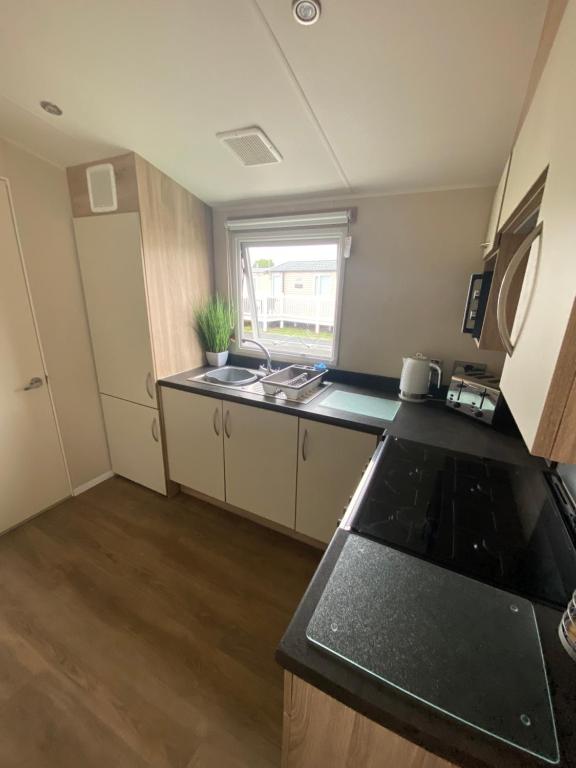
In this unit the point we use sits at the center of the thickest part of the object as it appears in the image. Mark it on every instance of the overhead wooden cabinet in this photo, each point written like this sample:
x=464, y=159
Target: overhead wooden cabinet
x=260, y=461
x=330, y=464
x=194, y=441
x=539, y=374
x=145, y=267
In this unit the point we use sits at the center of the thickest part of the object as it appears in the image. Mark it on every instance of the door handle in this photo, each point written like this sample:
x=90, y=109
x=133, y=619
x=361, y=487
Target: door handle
x=34, y=383
x=227, y=430
x=150, y=385
x=305, y=446
x=215, y=422
x=502, y=305
x=154, y=430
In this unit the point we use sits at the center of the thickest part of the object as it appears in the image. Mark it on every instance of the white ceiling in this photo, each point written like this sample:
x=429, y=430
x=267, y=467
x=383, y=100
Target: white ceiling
x=379, y=96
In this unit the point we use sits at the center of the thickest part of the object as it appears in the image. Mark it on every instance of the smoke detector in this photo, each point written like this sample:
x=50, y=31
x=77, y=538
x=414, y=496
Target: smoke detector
x=251, y=146
x=306, y=11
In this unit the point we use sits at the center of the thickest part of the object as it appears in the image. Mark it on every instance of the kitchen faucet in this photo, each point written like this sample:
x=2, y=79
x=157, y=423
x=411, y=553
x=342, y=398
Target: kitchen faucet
x=264, y=349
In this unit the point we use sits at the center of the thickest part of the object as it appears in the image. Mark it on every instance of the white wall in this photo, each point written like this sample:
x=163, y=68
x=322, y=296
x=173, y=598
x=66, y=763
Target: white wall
x=44, y=221
x=406, y=283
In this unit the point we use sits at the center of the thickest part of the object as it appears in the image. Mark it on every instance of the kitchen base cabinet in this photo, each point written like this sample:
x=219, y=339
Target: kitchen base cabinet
x=135, y=442
x=330, y=464
x=260, y=461
x=194, y=441
x=320, y=732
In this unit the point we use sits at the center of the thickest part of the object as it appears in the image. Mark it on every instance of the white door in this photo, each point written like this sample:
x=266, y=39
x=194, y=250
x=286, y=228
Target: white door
x=135, y=442
x=194, y=441
x=260, y=461
x=330, y=464
x=110, y=253
x=32, y=470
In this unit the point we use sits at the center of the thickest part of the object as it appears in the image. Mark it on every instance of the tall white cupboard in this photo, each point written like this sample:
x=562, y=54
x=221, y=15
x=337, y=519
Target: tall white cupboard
x=145, y=267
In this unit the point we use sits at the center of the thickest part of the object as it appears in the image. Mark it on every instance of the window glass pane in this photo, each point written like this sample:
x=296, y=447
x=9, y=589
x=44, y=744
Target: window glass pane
x=295, y=293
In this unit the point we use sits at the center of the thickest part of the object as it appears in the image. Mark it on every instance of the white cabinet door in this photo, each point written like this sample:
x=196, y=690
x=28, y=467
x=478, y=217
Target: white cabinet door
x=135, y=442
x=494, y=221
x=330, y=464
x=260, y=461
x=110, y=254
x=549, y=289
x=194, y=441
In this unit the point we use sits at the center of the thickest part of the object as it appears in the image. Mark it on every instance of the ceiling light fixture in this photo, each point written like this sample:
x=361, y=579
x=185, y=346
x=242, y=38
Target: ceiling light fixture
x=306, y=11
x=52, y=109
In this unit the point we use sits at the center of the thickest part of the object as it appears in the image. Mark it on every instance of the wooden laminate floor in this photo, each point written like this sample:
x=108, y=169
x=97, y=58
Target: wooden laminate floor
x=138, y=631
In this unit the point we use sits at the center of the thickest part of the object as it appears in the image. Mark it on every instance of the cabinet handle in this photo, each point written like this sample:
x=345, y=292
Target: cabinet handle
x=215, y=422
x=155, y=434
x=502, y=305
x=305, y=446
x=227, y=429
x=150, y=385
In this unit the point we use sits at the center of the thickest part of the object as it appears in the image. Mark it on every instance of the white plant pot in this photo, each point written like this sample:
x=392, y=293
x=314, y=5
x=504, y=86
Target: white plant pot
x=217, y=359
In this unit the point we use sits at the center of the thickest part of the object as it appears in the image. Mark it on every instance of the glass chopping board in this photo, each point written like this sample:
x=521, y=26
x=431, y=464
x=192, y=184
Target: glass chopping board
x=363, y=405
x=464, y=648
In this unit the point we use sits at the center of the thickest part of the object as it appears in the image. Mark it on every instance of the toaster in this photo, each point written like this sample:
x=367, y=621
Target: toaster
x=478, y=395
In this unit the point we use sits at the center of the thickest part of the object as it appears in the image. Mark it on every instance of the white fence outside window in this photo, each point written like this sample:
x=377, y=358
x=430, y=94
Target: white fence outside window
x=304, y=310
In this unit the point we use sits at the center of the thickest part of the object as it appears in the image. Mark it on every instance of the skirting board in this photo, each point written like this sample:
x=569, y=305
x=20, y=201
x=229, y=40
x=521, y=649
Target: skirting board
x=255, y=518
x=91, y=483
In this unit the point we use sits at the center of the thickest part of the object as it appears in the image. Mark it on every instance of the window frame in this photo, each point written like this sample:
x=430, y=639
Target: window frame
x=317, y=235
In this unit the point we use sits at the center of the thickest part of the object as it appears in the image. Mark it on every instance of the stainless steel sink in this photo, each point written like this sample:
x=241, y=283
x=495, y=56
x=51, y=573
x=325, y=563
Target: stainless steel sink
x=230, y=376
x=250, y=382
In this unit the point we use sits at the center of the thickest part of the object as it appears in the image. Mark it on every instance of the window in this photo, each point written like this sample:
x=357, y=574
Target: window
x=324, y=285
x=288, y=286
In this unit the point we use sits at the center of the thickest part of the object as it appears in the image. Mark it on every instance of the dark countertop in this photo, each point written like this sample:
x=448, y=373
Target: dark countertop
x=432, y=422
x=416, y=722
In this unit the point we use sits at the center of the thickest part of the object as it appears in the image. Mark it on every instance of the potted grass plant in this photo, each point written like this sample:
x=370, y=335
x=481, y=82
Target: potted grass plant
x=214, y=325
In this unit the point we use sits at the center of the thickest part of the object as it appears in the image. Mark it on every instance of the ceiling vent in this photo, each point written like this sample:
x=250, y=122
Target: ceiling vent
x=251, y=146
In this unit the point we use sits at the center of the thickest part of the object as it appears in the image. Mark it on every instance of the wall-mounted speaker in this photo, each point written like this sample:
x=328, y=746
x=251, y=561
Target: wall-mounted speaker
x=102, y=188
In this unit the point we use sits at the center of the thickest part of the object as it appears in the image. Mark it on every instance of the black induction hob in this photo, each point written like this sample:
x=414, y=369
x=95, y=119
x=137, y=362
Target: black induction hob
x=506, y=525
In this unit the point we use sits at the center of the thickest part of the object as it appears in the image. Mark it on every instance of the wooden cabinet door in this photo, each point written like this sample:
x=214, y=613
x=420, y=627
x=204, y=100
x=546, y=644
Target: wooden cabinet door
x=260, y=461
x=135, y=442
x=110, y=254
x=194, y=441
x=320, y=732
x=330, y=464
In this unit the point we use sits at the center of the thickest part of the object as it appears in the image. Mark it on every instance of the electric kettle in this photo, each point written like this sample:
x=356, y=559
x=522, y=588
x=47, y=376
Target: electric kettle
x=415, y=378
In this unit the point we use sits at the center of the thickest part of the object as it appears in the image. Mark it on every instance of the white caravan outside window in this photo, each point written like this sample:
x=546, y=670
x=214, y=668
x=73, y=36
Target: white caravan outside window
x=288, y=287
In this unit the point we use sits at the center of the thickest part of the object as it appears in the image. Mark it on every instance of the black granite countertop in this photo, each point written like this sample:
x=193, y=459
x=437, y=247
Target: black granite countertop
x=431, y=422
x=405, y=716
x=434, y=424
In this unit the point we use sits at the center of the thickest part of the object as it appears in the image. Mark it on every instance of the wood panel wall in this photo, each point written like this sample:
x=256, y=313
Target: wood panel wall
x=320, y=732
x=178, y=263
